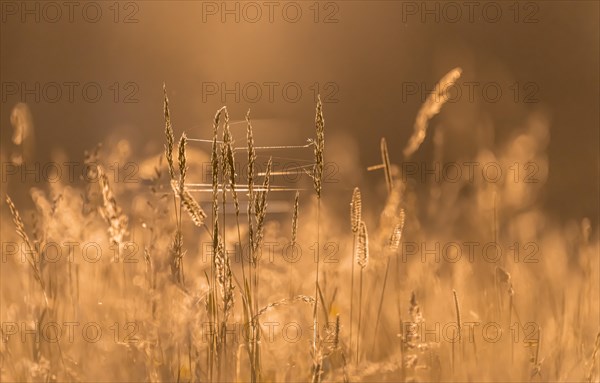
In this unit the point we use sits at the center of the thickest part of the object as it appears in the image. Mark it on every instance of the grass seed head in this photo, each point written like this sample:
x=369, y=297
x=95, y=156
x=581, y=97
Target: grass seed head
x=396, y=237
x=362, y=255
x=430, y=108
x=182, y=162
x=193, y=208
x=319, y=148
x=169, y=135
x=355, y=210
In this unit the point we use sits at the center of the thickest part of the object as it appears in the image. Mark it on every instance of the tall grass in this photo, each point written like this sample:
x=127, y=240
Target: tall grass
x=218, y=318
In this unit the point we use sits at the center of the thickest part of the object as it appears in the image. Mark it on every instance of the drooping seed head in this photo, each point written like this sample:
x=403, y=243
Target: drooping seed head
x=430, y=108
x=193, y=208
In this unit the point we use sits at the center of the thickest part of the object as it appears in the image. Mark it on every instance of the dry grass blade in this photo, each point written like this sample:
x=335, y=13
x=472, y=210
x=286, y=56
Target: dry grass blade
x=458, y=317
x=430, y=108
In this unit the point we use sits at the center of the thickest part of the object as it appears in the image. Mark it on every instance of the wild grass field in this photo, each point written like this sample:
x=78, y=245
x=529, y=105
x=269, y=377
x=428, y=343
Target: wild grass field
x=240, y=277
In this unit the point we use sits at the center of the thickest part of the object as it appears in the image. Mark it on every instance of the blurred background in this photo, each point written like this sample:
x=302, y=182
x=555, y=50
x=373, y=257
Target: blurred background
x=372, y=61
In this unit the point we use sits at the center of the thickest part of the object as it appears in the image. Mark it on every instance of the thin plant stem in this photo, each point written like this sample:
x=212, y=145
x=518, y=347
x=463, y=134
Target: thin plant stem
x=387, y=269
x=352, y=289
x=360, y=288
